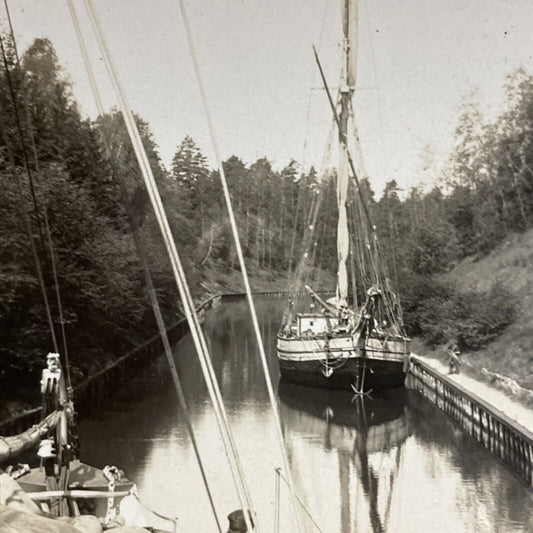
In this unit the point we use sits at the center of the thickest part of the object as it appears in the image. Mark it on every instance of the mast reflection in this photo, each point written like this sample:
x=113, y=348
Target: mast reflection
x=367, y=437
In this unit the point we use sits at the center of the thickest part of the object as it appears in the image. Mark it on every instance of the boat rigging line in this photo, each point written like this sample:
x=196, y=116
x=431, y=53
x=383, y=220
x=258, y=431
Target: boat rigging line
x=325, y=156
x=311, y=238
x=344, y=141
x=371, y=47
x=179, y=275
x=313, y=74
x=296, y=279
x=66, y=427
x=242, y=264
x=380, y=279
x=279, y=477
x=144, y=264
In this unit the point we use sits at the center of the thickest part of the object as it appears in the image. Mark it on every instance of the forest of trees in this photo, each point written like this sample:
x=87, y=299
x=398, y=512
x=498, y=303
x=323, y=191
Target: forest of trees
x=74, y=165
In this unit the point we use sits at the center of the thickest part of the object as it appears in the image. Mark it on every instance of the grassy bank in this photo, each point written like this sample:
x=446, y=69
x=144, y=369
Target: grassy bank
x=510, y=354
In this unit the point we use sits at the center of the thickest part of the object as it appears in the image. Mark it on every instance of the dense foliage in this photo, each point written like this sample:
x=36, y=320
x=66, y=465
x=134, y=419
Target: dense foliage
x=75, y=164
x=486, y=194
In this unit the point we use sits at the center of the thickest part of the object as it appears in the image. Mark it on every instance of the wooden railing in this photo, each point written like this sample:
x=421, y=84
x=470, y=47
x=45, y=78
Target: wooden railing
x=503, y=436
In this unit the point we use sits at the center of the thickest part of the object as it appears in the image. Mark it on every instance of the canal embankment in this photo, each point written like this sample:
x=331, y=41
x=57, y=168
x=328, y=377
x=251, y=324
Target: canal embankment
x=90, y=392
x=501, y=423
x=508, y=265
x=498, y=422
x=98, y=387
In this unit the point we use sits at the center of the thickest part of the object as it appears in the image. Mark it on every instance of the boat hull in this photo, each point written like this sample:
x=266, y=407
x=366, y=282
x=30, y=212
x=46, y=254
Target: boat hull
x=338, y=363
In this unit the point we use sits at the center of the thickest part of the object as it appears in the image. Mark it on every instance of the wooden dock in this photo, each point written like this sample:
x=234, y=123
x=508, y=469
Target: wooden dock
x=500, y=424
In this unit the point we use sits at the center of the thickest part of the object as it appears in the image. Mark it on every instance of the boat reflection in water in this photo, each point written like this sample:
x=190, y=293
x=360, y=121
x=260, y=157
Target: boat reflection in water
x=363, y=436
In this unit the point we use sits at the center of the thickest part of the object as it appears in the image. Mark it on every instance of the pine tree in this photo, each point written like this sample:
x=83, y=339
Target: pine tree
x=191, y=176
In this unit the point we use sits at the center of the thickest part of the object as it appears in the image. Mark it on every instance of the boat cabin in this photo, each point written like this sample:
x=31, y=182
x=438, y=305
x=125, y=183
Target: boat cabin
x=314, y=324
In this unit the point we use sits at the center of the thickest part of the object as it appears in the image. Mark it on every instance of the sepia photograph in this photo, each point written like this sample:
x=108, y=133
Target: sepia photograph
x=266, y=266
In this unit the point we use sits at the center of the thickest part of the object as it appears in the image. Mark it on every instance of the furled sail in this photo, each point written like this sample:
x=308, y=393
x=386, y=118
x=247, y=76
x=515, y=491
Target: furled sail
x=343, y=238
x=350, y=30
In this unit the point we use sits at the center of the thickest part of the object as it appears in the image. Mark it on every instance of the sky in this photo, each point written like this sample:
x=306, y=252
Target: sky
x=418, y=60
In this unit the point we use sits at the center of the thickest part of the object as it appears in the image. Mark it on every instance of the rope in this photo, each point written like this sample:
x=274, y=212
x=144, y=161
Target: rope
x=111, y=474
x=306, y=131
x=304, y=507
x=155, y=513
x=25, y=215
x=295, y=223
x=370, y=37
x=83, y=494
x=146, y=271
x=296, y=279
x=21, y=136
x=277, y=501
x=248, y=290
x=85, y=56
x=313, y=75
x=190, y=313
x=301, y=276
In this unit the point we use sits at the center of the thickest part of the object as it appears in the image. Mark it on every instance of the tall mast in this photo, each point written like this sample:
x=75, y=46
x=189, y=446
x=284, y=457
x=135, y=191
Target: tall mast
x=349, y=70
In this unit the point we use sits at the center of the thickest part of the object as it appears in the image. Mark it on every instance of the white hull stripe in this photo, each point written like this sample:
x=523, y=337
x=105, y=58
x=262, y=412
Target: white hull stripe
x=303, y=356
x=340, y=348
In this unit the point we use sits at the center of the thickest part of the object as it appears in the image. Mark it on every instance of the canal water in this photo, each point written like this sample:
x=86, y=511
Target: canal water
x=393, y=463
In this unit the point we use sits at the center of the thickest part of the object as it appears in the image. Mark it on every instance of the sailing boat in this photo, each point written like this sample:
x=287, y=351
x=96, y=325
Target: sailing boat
x=342, y=345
